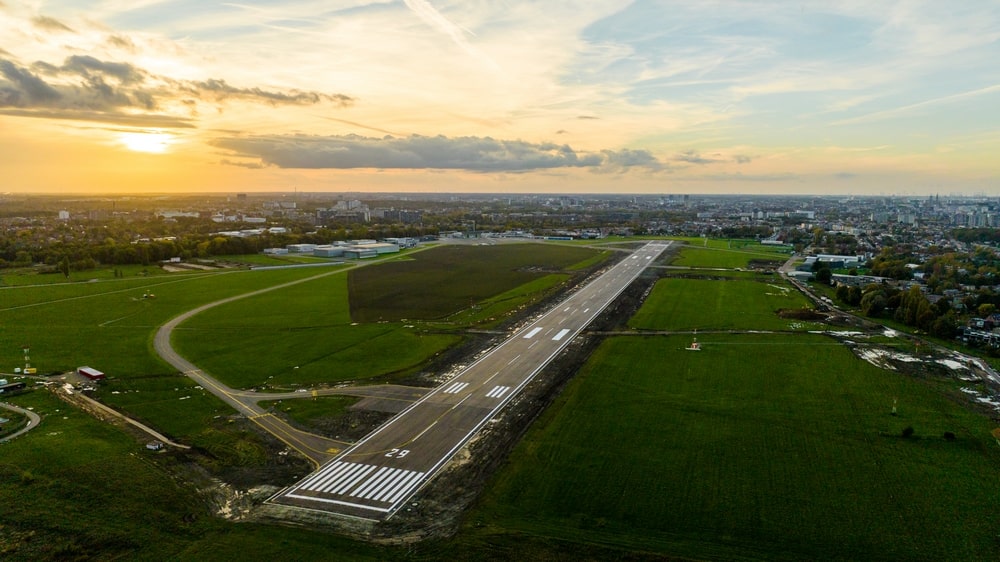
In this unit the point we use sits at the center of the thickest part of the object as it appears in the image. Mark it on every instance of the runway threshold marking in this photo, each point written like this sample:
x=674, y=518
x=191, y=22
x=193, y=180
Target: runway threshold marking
x=382, y=484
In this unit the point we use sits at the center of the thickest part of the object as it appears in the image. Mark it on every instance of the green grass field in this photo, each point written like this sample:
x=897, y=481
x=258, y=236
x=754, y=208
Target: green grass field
x=698, y=304
x=760, y=446
x=447, y=279
x=323, y=331
x=300, y=335
x=721, y=257
x=109, y=325
x=76, y=488
x=305, y=410
x=30, y=275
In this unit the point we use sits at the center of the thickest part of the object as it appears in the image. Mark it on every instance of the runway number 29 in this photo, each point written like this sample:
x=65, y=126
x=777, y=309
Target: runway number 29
x=397, y=453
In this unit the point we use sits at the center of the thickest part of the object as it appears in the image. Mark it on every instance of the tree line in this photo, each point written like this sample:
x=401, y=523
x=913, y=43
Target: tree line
x=78, y=248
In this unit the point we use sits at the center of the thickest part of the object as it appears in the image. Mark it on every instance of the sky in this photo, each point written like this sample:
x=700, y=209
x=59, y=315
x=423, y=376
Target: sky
x=708, y=96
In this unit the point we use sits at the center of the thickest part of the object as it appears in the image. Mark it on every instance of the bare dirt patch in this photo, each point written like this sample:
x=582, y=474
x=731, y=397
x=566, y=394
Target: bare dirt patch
x=810, y=314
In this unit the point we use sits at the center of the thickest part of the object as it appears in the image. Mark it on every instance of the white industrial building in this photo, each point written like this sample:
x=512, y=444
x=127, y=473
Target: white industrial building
x=328, y=251
x=379, y=247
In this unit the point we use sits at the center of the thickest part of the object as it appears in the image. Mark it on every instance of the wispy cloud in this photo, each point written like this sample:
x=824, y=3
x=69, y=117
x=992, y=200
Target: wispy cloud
x=50, y=24
x=426, y=12
x=903, y=110
x=151, y=120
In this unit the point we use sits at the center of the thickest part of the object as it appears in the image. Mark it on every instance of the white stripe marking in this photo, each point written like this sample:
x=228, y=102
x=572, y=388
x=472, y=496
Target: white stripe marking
x=406, y=488
x=456, y=388
x=379, y=475
x=497, y=391
x=345, y=471
x=350, y=482
x=532, y=333
x=562, y=333
x=333, y=471
x=387, y=483
x=402, y=485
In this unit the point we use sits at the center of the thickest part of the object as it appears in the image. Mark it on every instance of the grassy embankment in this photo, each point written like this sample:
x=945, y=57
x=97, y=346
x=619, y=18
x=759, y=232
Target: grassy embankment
x=698, y=304
x=79, y=489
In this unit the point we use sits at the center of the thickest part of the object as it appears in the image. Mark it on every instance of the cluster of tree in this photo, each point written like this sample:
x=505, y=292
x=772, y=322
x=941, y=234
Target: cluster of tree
x=977, y=235
x=891, y=262
x=950, y=271
x=837, y=243
x=909, y=307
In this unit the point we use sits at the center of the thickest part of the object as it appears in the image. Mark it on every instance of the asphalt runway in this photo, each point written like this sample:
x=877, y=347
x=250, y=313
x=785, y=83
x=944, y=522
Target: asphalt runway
x=377, y=475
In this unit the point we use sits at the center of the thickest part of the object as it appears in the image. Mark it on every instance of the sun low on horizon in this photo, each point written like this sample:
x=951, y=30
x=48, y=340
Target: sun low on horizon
x=147, y=142
x=646, y=97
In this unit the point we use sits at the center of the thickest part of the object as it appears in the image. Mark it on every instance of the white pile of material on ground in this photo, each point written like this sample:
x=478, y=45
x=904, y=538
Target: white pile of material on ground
x=953, y=365
x=883, y=358
x=980, y=398
x=844, y=334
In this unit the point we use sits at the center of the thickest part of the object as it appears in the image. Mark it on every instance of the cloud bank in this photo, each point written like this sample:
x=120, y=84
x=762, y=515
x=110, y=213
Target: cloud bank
x=473, y=154
x=86, y=88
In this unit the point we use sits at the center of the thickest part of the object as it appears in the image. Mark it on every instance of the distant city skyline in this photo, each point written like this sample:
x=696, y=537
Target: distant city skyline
x=842, y=98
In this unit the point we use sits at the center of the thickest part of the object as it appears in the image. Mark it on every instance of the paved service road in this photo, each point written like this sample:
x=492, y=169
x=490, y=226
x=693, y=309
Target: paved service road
x=316, y=448
x=375, y=476
x=33, y=420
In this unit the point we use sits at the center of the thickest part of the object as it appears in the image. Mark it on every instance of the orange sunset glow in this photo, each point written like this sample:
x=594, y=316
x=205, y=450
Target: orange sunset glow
x=846, y=98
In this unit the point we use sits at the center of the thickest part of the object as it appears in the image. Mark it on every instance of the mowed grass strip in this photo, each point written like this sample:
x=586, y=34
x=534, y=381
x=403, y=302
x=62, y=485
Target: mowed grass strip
x=443, y=280
x=300, y=335
x=760, y=446
x=725, y=257
x=309, y=333
x=701, y=304
x=109, y=325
